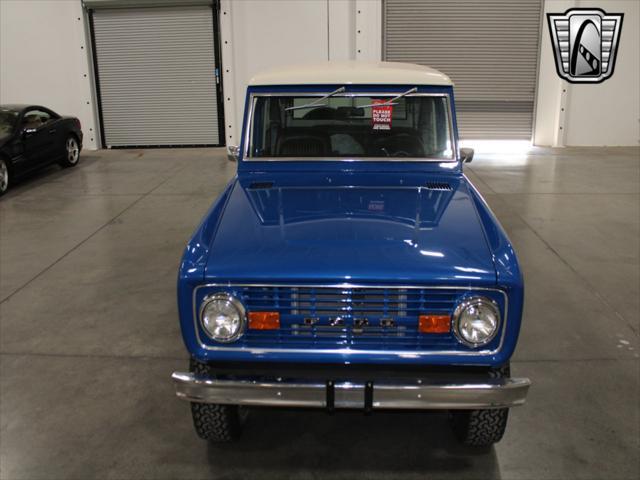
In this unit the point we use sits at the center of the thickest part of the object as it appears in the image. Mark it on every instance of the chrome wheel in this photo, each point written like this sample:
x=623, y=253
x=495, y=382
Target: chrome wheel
x=4, y=176
x=73, y=152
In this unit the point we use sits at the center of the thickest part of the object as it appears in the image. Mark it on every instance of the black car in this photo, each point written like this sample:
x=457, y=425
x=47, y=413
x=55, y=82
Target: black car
x=31, y=137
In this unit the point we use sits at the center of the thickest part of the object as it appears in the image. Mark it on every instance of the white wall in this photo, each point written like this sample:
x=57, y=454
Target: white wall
x=342, y=28
x=368, y=15
x=258, y=35
x=44, y=59
x=552, y=90
x=609, y=113
x=592, y=114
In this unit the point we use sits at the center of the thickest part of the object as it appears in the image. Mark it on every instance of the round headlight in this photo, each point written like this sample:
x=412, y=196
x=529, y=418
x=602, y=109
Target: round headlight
x=222, y=317
x=476, y=321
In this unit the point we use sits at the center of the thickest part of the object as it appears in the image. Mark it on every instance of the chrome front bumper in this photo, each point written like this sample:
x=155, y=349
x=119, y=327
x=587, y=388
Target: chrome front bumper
x=412, y=394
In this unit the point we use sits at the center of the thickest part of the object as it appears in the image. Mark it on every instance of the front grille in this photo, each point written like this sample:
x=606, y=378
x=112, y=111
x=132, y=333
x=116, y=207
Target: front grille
x=311, y=301
x=356, y=318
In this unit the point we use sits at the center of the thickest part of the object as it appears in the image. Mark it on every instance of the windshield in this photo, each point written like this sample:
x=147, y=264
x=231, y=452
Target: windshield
x=8, y=120
x=334, y=125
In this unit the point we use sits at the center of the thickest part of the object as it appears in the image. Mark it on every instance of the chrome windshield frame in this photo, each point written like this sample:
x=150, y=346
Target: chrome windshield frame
x=248, y=134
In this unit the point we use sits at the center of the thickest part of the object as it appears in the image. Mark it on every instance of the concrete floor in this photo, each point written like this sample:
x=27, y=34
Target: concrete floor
x=89, y=332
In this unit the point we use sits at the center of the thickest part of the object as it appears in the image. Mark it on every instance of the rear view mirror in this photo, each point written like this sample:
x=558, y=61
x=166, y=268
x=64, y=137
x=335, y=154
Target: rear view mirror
x=233, y=152
x=466, y=155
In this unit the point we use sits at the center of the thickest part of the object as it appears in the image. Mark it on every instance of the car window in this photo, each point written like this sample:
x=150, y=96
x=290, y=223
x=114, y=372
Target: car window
x=35, y=119
x=8, y=119
x=351, y=126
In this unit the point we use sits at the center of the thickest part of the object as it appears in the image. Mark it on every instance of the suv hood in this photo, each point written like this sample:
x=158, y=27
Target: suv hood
x=390, y=228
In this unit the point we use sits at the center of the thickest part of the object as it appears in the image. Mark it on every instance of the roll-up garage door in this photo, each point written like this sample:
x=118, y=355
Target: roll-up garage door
x=156, y=76
x=489, y=48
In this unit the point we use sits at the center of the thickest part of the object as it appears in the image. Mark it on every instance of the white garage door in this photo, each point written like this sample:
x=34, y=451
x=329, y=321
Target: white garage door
x=156, y=76
x=489, y=48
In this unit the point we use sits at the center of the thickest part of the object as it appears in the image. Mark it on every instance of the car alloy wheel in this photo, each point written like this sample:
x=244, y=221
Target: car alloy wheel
x=4, y=176
x=73, y=152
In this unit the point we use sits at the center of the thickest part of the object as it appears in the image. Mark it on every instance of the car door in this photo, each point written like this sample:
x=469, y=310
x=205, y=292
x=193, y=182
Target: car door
x=37, y=139
x=55, y=126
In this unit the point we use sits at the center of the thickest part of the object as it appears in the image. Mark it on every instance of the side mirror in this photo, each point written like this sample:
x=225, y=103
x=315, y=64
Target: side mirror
x=466, y=155
x=233, y=152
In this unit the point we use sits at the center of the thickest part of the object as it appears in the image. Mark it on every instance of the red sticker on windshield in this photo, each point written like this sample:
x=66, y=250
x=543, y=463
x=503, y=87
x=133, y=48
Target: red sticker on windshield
x=381, y=115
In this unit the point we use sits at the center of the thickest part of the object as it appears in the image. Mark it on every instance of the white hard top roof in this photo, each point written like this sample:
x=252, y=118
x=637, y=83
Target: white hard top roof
x=352, y=72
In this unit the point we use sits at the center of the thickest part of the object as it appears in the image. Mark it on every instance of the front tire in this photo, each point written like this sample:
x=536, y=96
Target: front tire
x=71, y=152
x=214, y=422
x=5, y=176
x=481, y=428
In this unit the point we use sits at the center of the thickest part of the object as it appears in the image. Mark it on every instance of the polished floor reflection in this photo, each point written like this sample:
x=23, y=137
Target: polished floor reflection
x=89, y=335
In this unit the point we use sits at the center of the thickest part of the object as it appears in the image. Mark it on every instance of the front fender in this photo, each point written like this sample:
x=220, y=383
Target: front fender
x=508, y=274
x=193, y=263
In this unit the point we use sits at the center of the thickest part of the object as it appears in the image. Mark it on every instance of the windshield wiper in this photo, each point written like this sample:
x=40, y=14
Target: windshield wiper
x=390, y=102
x=316, y=103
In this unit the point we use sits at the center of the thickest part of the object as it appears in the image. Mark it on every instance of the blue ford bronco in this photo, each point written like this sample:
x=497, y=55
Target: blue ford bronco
x=350, y=263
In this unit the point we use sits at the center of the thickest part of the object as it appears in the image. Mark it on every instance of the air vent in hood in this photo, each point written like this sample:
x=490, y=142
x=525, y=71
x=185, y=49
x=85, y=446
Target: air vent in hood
x=438, y=186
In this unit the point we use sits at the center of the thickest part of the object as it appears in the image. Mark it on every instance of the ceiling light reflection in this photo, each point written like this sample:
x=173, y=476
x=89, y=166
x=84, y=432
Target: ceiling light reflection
x=429, y=253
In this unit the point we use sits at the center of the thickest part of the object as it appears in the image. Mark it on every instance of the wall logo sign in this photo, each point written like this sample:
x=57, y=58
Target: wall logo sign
x=585, y=43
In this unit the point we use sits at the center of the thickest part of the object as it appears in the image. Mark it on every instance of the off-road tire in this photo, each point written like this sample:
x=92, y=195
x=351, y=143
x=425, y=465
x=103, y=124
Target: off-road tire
x=481, y=428
x=213, y=422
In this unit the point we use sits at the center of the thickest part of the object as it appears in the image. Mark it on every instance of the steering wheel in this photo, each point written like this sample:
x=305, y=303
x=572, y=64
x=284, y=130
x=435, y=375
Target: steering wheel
x=395, y=145
x=400, y=153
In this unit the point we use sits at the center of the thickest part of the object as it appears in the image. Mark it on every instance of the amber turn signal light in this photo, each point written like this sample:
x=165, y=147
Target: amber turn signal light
x=264, y=320
x=434, y=324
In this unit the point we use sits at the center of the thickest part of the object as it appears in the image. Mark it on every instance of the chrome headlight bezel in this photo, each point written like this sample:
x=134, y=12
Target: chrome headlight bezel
x=234, y=303
x=476, y=301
